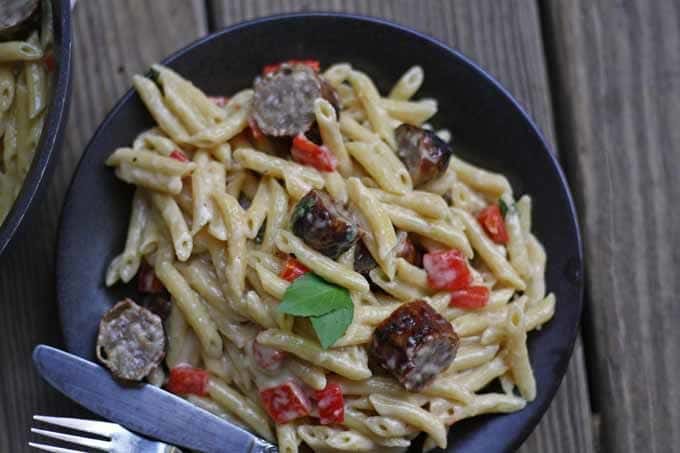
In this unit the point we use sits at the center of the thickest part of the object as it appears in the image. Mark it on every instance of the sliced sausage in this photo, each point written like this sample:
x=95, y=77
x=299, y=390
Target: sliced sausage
x=425, y=155
x=414, y=344
x=131, y=341
x=323, y=226
x=283, y=104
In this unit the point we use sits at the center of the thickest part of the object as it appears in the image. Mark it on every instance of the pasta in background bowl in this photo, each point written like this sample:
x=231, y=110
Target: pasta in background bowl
x=34, y=90
x=226, y=271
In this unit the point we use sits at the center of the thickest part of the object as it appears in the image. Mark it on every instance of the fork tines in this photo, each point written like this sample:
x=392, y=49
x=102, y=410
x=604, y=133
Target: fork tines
x=103, y=429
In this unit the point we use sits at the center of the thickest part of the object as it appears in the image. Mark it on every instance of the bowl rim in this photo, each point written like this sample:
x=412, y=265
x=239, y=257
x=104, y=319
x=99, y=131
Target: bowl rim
x=577, y=306
x=51, y=136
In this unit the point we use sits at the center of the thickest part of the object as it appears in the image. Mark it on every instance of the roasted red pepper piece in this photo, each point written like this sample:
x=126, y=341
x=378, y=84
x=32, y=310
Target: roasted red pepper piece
x=492, y=221
x=147, y=282
x=185, y=380
x=50, y=62
x=285, y=402
x=447, y=270
x=306, y=152
x=472, y=297
x=313, y=64
x=331, y=404
x=179, y=155
x=293, y=269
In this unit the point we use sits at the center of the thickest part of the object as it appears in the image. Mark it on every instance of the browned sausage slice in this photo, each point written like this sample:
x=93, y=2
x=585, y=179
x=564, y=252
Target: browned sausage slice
x=415, y=344
x=283, y=104
x=319, y=222
x=425, y=155
x=131, y=341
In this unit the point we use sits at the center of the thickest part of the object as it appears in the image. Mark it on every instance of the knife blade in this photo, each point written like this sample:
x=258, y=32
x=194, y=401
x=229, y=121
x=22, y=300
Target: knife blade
x=143, y=408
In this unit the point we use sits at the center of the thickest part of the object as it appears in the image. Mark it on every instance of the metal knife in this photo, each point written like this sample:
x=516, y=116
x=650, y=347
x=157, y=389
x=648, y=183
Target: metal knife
x=143, y=408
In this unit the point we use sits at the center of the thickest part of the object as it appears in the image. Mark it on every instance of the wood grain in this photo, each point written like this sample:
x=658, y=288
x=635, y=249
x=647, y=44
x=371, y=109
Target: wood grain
x=505, y=38
x=115, y=40
x=112, y=41
x=617, y=85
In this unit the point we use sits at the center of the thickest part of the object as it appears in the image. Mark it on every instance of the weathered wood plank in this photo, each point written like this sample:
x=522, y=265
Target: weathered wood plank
x=617, y=84
x=504, y=37
x=112, y=41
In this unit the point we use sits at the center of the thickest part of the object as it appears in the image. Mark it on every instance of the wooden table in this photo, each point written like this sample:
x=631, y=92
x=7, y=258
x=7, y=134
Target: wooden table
x=601, y=78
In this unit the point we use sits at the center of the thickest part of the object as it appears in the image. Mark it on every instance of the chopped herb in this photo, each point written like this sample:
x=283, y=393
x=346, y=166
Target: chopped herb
x=503, y=207
x=331, y=326
x=328, y=306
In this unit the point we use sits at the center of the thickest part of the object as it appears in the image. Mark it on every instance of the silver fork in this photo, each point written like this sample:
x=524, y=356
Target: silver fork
x=119, y=439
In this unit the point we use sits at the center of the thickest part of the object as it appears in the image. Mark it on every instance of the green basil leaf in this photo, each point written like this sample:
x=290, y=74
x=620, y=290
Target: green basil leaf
x=310, y=295
x=332, y=326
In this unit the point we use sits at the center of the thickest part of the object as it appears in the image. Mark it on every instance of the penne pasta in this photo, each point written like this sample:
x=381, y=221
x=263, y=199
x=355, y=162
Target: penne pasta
x=24, y=96
x=320, y=264
x=192, y=308
x=411, y=414
x=234, y=219
x=19, y=51
x=343, y=363
x=329, y=128
x=378, y=220
x=488, y=252
x=415, y=113
x=283, y=325
x=369, y=97
x=381, y=163
x=408, y=84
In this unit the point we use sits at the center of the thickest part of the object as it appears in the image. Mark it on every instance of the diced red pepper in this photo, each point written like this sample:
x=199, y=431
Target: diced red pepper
x=219, y=101
x=314, y=64
x=267, y=358
x=447, y=270
x=306, y=152
x=255, y=131
x=50, y=62
x=472, y=297
x=285, y=402
x=293, y=269
x=492, y=220
x=179, y=155
x=331, y=404
x=147, y=282
x=185, y=380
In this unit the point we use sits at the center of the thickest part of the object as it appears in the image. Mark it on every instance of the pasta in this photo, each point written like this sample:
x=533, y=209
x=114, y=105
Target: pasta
x=227, y=223
x=26, y=68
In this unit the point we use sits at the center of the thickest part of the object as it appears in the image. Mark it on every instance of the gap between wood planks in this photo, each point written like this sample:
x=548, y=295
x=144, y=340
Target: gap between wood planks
x=563, y=142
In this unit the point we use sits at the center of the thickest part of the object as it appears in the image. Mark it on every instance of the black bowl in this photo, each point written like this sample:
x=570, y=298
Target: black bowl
x=494, y=130
x=53, y=132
